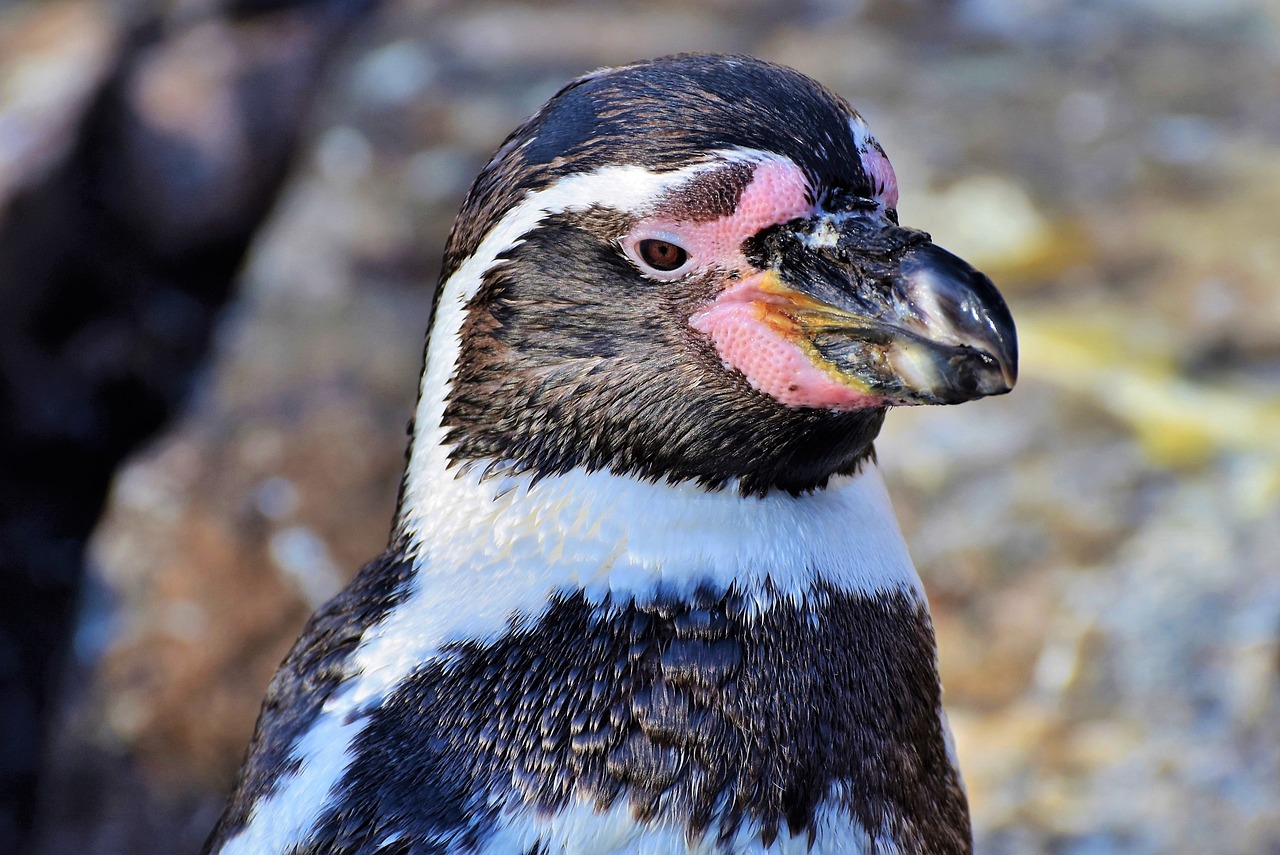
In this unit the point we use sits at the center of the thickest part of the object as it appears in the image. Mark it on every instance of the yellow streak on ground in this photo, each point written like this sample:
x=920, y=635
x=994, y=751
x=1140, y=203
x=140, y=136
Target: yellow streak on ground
x=1178, y=421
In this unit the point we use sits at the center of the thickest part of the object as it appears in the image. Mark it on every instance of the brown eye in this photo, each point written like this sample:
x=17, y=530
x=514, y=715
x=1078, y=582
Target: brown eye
x=662, y=255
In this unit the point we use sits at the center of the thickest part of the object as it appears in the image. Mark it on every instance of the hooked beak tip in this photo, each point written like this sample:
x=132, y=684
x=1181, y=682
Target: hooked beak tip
x=963, y=340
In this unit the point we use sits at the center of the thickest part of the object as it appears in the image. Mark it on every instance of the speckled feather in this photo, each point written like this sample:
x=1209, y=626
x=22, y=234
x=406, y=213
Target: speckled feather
x=689, y=712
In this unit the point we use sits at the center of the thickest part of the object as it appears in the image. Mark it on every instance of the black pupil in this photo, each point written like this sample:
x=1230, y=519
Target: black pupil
x=661, y=254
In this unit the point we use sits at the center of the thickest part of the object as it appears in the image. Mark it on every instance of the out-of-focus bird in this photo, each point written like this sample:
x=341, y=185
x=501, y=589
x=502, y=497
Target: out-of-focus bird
x=646, y=593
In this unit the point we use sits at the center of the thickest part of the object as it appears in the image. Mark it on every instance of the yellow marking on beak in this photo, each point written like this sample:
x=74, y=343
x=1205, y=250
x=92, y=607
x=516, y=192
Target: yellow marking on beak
x=797, y=317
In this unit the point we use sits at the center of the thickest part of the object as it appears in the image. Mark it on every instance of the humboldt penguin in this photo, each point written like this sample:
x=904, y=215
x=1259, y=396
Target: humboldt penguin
x=645, y=592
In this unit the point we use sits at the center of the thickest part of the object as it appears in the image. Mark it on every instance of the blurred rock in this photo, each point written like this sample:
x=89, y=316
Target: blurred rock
x=138, y=153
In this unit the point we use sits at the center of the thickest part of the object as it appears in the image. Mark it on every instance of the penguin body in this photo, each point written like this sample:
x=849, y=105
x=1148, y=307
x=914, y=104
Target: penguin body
x=646, y=592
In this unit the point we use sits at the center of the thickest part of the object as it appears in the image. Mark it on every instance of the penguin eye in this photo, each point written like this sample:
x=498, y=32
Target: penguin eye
x=661, y=254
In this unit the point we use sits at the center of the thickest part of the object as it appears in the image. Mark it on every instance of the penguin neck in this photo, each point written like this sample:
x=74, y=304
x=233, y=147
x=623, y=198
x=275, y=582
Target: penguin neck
x=623, y=538
x=485, y=548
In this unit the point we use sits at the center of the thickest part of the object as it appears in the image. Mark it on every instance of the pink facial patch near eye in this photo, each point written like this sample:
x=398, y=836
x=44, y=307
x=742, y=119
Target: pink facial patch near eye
x=874, y=162
x=882, y=175
x=778, y=192
x=737, y=322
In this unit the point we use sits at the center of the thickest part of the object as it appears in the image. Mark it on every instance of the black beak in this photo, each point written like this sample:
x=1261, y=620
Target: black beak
x=883, y=310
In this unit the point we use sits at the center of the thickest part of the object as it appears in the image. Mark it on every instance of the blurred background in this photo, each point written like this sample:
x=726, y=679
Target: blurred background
x=220, y=225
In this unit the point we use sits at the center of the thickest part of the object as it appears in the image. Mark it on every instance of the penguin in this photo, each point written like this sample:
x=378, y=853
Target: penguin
x=645, y=592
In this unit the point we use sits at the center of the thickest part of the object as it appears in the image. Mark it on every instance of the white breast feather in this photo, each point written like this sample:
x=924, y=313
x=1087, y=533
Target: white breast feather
x=581, y=830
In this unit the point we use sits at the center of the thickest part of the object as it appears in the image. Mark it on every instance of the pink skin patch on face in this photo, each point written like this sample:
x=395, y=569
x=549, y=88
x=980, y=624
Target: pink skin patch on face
x=743, y=328
x=882, y=174
x=874, y=163
x=778, y=192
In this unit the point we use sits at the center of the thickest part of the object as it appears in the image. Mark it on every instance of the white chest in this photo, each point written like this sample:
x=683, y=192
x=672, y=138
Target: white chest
x=582, y=831
x=491, y=549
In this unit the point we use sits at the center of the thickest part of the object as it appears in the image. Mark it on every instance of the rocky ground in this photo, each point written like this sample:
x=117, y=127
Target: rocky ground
x=1101, y=548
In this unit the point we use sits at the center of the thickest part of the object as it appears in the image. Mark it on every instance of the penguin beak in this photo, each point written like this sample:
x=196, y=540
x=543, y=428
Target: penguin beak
x=881, y=309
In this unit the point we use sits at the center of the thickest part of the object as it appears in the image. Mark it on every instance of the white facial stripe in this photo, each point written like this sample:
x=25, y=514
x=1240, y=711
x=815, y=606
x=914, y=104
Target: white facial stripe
x=628, y=189
x=624, y=188
x=631, y=189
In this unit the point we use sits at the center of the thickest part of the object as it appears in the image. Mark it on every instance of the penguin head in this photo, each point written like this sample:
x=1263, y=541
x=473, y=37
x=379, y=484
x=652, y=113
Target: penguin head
x=692, y=269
